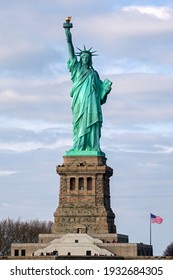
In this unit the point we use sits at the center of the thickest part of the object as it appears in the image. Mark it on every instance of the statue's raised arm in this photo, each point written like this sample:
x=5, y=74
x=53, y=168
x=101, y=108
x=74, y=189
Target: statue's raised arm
x=67, y=26
x=88, y=94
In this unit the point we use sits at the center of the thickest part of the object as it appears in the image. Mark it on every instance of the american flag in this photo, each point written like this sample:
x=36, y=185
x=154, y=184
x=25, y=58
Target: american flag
x=155, y=219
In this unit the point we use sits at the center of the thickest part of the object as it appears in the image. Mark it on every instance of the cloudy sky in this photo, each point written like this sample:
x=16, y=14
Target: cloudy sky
x=135, y=46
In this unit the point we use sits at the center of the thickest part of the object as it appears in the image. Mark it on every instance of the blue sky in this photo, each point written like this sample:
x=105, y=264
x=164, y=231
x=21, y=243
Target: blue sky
x=135, y=46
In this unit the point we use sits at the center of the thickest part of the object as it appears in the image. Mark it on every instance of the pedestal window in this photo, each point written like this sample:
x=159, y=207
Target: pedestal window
x=89, y=183
x=72, y=184
x=81, y=184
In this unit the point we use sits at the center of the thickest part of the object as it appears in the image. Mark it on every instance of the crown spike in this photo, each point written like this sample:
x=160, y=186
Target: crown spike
x=92, y=53
x=79, y=49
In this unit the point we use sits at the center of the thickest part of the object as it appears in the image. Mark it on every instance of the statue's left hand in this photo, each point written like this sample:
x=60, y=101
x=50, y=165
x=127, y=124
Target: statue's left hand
x=107, y=84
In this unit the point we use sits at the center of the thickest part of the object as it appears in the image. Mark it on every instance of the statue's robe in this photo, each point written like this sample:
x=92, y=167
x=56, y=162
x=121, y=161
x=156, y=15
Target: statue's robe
x=88, y=95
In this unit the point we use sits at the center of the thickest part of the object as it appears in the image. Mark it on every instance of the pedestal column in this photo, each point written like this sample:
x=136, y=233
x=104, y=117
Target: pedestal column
x=84, y=198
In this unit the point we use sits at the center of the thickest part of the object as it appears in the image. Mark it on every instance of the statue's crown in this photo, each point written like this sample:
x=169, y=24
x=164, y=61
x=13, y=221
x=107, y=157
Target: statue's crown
x=91, y=53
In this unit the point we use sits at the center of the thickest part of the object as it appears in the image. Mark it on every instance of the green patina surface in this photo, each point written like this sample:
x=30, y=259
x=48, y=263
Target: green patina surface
x=88, y=94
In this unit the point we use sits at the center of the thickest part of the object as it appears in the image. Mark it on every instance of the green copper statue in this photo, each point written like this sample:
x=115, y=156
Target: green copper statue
x=88, y=94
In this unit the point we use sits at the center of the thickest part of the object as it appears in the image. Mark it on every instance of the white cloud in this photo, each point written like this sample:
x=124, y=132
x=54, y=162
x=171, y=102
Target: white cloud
x=163, y=13
x=6, y=205
x=12, y=96
x=165, y=149
x=35, y=126
x=157, y=149
x=8, y=172
x=31, y=145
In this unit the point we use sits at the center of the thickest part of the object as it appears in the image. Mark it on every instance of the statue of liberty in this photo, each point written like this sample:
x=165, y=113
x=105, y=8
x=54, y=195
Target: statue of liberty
x=88, y=94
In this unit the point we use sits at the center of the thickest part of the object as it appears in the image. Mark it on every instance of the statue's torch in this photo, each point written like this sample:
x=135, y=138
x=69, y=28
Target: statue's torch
x=67, y=24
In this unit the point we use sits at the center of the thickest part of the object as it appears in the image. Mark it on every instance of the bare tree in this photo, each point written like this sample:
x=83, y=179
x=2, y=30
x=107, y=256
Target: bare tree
x=21, y=231
x=169, y=250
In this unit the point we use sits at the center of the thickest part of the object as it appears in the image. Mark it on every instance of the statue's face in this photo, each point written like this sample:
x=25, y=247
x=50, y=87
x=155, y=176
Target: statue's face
x=85, y=58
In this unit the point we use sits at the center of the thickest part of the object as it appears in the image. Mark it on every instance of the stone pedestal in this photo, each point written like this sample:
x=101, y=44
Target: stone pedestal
x=84, y=221
x=84, y=199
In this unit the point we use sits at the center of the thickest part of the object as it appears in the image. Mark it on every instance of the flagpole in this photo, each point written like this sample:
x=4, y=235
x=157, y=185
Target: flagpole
x=150, y=229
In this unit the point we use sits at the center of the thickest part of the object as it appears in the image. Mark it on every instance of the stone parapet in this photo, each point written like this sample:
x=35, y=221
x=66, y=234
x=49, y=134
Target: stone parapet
x=84, y=160
x=86, y=169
